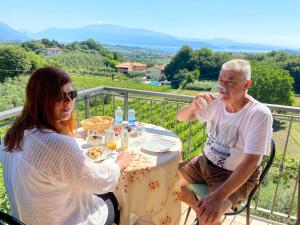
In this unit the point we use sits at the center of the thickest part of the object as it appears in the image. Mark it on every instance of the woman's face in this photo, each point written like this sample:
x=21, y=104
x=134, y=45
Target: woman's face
x=63, y=109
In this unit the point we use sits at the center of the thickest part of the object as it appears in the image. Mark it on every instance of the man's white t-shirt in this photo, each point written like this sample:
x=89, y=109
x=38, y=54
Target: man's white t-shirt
x=231, y=135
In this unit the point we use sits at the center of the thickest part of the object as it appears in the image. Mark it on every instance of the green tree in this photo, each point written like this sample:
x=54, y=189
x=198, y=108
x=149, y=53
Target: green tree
x=208, y=63
x=178, y=62
x=180, y=78
x=294, y=69
x=271, y=85
x=281, y=56
x=92, y=44
x=118, y=56
x=13, y=61
x=204, y=60
x=50, y=44
x=196, y=74
x=74, y=46
x=36, y=46
x=36, y=61
x=281, y=59
x=189, y=78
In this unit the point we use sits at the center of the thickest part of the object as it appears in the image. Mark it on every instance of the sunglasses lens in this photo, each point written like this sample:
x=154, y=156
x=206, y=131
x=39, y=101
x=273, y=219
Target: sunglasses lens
x=72, y=95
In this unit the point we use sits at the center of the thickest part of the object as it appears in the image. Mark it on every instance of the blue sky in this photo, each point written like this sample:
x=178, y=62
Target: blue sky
x=258, y=21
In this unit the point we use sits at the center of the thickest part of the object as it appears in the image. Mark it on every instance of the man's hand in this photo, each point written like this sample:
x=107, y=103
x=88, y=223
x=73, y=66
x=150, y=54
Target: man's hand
x=201, y=101
x=209, y=209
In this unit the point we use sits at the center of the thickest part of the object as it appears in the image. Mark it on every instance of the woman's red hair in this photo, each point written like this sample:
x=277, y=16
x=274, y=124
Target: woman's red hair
x=43, y=90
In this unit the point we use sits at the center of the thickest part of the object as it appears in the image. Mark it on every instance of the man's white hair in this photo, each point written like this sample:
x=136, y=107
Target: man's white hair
x=239, y=65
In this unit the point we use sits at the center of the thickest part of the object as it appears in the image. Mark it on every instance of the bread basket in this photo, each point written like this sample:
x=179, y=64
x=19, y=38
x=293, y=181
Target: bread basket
x=99, y=123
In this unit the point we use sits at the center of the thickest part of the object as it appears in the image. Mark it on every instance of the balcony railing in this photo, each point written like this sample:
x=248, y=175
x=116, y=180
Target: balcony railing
x=276, y=200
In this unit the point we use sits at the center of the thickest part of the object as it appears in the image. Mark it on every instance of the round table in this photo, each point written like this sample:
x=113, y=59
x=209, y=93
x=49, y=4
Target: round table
x=149, y=187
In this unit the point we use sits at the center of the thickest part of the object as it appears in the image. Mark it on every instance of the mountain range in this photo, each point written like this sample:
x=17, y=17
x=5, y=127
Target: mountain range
x=9, y=34
x=118, y=35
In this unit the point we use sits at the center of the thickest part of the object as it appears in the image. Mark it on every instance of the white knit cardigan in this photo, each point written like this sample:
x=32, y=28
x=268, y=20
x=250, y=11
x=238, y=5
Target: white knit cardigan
x=50, y=181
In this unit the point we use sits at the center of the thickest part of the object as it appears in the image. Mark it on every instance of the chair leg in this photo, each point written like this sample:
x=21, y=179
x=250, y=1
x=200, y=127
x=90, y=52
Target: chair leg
x=187, y=215
x=248, y=215
x=224, y=218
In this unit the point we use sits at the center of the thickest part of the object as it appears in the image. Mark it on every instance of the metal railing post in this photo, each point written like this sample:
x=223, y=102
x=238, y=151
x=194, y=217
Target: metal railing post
x=87, y=106
x=126, y=106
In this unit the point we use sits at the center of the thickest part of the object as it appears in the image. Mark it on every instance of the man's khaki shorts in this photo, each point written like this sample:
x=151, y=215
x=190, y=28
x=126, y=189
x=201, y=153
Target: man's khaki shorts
x=200, y=170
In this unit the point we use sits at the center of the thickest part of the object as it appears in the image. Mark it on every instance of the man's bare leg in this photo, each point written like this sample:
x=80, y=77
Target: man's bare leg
x=187, y=196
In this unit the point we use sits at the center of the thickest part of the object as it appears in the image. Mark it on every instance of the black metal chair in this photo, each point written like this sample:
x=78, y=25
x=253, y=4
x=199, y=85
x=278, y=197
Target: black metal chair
x=8, y=219
x=201, y=189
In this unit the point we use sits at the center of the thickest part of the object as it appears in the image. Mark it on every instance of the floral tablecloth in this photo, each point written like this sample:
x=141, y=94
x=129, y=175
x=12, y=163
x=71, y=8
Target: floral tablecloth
x=150, y=187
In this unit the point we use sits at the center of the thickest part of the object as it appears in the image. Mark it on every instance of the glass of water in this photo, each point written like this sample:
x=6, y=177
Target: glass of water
x=217, y=91
x=141, y=132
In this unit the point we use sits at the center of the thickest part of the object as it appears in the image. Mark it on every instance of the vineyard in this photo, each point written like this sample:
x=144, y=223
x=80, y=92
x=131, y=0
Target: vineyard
x=82, y=63
x=12, y=91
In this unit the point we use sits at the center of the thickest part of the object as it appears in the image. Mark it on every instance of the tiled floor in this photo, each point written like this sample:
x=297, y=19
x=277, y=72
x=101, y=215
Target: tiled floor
x=230, y=220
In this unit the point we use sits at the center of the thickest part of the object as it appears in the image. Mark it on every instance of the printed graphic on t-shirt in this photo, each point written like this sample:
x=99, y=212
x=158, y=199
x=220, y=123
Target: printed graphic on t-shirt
x=222, y=137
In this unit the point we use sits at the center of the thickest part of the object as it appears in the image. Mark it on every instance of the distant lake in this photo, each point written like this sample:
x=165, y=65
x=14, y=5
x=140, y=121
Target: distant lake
x=174, y=49
x=241, y=50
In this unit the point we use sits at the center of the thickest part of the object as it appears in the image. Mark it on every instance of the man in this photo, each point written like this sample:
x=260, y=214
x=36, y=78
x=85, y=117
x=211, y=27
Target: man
x=239, y=133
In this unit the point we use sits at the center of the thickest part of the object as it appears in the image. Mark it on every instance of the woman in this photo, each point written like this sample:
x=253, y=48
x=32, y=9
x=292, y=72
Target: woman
x=47, y=178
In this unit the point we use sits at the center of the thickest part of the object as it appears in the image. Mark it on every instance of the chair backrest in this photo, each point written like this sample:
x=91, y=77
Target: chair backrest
x=8, y=219
x=261, y=177
x=266, y=168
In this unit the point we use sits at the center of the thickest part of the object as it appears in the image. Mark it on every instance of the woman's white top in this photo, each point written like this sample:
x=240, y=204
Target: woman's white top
x=50, y=181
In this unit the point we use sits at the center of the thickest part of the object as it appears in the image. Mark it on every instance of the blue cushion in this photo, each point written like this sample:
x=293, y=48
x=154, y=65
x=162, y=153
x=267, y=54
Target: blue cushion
x=200, y=190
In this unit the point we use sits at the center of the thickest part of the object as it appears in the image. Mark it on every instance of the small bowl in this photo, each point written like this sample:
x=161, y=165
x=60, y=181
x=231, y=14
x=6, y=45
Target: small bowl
x=95, y=140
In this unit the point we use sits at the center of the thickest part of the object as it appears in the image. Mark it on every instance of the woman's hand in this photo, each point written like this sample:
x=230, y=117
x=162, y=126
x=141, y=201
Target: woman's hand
x=124, y=159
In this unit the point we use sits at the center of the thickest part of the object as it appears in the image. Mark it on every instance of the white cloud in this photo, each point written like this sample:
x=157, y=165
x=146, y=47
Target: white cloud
x=99, y=22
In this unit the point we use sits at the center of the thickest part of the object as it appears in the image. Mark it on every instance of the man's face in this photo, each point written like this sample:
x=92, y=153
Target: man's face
x=234, y=83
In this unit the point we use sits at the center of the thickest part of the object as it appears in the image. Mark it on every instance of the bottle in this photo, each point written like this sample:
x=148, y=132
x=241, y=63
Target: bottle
x=118, y=119
x=131, y=117
x=124, y=138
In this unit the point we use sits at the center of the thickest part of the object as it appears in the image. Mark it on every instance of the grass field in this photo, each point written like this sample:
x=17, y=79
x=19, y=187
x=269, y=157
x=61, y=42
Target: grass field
x=280, y=136
x=297, y=100
x=183, y=92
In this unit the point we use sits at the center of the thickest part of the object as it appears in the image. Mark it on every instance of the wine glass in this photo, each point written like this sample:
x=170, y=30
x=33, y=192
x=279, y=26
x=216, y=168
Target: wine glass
x=217, y=91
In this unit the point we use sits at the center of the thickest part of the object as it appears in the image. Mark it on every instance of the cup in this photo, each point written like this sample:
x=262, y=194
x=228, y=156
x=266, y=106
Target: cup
x=217, y=91
x=141, y=132
x=110, y=139
x=94, y=138
x=111, y=143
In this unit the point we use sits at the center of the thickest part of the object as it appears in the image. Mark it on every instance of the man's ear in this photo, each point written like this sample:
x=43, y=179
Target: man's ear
x=247, y=85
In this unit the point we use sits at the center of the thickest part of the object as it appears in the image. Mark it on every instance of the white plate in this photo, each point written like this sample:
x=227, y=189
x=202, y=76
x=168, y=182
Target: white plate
x=157, y=145
x=105, y=155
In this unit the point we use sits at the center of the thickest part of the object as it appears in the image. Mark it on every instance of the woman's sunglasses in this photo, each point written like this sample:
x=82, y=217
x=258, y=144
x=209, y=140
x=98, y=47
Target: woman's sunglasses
x=70, y=95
